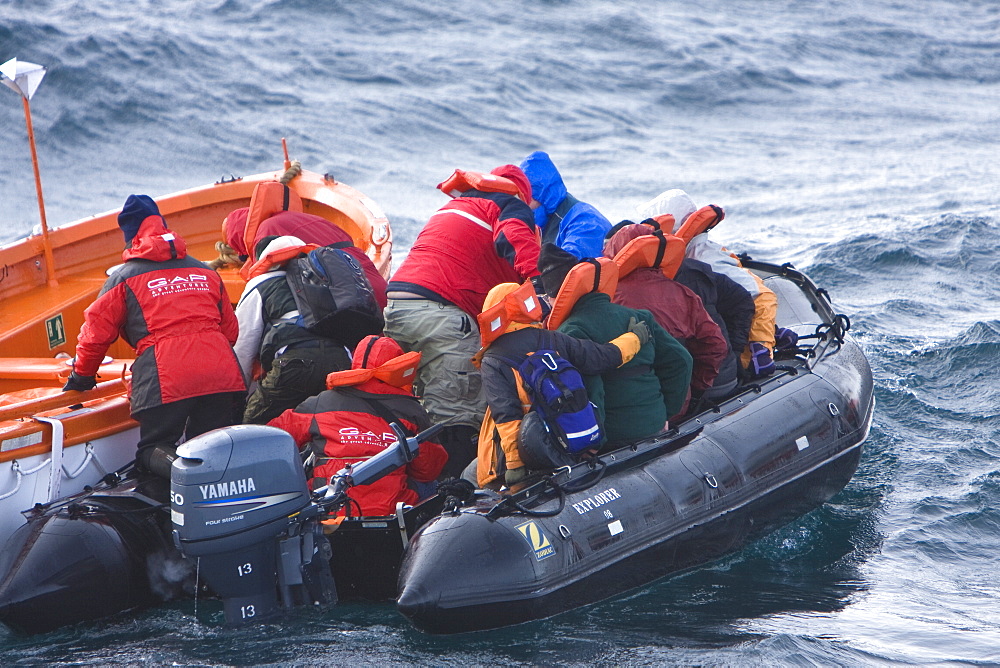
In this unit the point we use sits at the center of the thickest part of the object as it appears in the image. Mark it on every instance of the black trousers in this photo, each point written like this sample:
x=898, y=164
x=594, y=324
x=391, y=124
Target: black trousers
x=162, y=426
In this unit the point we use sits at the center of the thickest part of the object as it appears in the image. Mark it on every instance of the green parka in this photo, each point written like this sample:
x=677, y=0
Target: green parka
x=634, y=400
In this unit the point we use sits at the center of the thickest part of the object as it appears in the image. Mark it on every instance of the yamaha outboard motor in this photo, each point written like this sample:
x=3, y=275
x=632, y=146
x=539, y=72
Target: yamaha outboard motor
x=240, y=504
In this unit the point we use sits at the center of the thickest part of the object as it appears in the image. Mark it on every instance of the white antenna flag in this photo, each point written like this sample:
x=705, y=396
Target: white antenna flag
x=21, y=77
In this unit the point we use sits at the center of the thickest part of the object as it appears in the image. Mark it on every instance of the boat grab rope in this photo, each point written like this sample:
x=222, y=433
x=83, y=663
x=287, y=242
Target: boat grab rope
x=15, y=466
x=597, y=469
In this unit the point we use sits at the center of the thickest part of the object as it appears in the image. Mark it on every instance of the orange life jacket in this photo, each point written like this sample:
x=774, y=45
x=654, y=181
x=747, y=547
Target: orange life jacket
x=591, y=275
x=652, y=250
x=521, y=306
x=268, y=199
x=700, y=221
x=398, y=372
x=461, y=181
x=278, y=257
x=664, y=222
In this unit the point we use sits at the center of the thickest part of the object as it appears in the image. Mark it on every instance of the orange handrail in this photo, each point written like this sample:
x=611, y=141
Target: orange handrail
x=61, y=400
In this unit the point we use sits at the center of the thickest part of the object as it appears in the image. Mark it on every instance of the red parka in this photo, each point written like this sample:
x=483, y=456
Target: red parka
x=343, y=426
x=174, y=311
x=472, y=243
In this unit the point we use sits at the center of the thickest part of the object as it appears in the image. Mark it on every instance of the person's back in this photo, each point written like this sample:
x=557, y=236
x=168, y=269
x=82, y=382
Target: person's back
x=350, y=422
x=475, y=241
x=294, y=362
x=310, y=228
x=729, y=305
x=693, y=226
x=485, y=235
x=515, y=311
x=637, y=399
x=174, y=311
x=675, y=307
x=574, y=226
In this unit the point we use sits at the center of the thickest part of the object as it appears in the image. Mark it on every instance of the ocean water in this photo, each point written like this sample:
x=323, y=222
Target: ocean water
x=857, y=140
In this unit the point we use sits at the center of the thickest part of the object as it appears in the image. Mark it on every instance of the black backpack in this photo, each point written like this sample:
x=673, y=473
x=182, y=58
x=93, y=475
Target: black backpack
x=334, y=297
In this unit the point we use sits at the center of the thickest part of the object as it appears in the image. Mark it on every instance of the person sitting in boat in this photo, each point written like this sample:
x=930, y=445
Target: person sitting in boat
x=276, y=210
x=727, y=302
x=349, y=423
x=484, y=236
x=636, y=400
x=693, y=225
x=564, y=220
x=647, y=262
x=511, y=329
x=293, y=361
x=175, y=312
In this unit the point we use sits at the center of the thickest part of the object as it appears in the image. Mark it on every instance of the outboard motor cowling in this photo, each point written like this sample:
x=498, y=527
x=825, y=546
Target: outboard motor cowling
x=237, y=496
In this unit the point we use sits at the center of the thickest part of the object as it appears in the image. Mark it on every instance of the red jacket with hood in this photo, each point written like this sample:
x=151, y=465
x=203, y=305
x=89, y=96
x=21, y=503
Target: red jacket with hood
x=472, y=243
x=174, y=311
x=341, y=426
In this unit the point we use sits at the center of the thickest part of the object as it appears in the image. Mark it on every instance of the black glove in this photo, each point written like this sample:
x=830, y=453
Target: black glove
x=515, y=476
x=784, y=339
x=78, y=382
x=640, y=329
x=761, y=363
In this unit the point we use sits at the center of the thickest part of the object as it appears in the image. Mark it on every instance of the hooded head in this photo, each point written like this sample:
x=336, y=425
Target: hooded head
x=373, y=351
x=379, y=366
x=675, y=202
x=233, y=228
x=546, y=184
x=624, y=235
x=275, y=251
x=554, y=263
x=136, y=210
x=514, y=173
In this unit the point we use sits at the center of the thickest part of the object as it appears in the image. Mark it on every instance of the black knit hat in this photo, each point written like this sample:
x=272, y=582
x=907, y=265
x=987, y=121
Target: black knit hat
x=137, y=209
x=554, y=263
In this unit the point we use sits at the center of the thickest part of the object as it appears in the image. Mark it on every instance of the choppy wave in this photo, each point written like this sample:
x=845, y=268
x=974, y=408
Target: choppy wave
x=857, y=141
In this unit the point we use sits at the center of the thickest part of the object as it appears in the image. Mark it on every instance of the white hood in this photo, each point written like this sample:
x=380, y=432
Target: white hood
x=676, y=202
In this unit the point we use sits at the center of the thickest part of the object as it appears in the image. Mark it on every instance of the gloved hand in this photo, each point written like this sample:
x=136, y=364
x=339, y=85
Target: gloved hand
x=784, y=338
x=543, y=299
x=78, y=382
x=761, y=363
x=515, y=476
x=640, y=329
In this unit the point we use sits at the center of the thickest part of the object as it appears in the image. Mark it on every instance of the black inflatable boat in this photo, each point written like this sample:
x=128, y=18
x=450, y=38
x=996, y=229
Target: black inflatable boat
x=744, y=468
x=238, y=511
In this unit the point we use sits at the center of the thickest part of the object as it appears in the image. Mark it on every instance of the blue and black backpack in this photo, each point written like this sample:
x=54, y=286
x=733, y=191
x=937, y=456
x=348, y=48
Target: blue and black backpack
x=560, y=398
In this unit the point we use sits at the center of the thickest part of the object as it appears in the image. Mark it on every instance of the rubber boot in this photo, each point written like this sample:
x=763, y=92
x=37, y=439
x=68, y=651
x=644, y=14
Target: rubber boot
x=460, y=442
x=156, y=460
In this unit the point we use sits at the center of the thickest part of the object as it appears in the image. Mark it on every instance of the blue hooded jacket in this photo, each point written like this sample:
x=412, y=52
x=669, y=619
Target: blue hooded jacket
x=572, y=225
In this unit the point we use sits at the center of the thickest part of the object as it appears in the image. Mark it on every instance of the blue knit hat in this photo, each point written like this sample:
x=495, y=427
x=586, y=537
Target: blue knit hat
x=137, y=209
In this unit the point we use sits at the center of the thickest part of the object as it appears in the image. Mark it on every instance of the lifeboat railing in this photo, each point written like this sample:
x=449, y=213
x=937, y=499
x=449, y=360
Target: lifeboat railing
x=31, y=407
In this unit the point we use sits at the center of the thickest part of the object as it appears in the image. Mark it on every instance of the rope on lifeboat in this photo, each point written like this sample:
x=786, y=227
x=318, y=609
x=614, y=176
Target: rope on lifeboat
x=293, y=170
